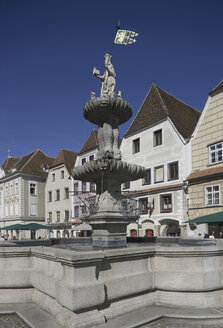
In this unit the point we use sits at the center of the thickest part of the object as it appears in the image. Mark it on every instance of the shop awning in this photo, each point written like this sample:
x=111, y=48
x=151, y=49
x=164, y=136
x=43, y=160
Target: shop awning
x=82, y=227
x=35, y=226
x=29, y=226
x=16, y=226
x=211, y=218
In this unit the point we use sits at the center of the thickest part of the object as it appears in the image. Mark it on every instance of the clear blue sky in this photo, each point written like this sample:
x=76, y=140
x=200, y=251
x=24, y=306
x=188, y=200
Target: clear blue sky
x=48, y=49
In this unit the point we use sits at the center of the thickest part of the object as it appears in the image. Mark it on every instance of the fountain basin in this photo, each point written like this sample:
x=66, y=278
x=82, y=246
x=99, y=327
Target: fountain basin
x=100, y=110
x=110, y=168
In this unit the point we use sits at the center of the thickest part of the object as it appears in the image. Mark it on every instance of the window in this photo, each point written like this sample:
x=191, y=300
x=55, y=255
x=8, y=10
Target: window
x=32, y=189
x=49, y=196
x=143, y=205
x=33, y=209
x=83, y=161
x=92, y=186
x=11, y=209
x=6, y=191
x=76, y=211
x=91, y=158
x=66, y=215
x=16, y=188
x=173, y=171
x=212, y=195
x=133, y=233
x=53, y=177
x=66, y=193
x=157, y=138
x=165, y=203
x=75, y=186
x=84, y=186
x=126, y=185
x=136, y=146
x=83, y=209
x=58, y=194
x=62, y=174
x=49, y=217
x=159, y=174
x=58, y=216
x=215, y=153
x=147, y=179
x=11, y=189
x=16, y=209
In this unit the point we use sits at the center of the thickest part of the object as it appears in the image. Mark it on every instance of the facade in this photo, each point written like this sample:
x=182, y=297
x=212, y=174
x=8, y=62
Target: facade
x=84, y=191
x=22, y=191
x=205, y=183
x=159, y=139
x=58, y=209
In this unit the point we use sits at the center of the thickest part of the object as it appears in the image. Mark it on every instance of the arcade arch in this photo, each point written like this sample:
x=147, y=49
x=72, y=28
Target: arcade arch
x=169, y=227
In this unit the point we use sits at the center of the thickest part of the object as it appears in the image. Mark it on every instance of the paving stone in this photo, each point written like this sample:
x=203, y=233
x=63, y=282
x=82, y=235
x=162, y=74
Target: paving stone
x=183, y=323
x=12, y=320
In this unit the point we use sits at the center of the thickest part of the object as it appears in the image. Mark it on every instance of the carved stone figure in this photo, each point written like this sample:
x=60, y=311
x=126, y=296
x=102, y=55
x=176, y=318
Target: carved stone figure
x=108, y=78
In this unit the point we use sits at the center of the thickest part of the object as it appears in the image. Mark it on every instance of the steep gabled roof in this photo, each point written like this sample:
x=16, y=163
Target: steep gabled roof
x=219, y=87
x=66, y=157
x=91, y=143
x=32, y=163
x=9, y=163
x=159, y=105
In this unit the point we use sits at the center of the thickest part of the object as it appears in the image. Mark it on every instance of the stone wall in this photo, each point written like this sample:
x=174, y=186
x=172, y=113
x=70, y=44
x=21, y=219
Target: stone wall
x=82, y=289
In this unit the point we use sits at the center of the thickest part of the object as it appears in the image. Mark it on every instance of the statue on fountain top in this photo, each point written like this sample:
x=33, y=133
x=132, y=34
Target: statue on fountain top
x=108, y=78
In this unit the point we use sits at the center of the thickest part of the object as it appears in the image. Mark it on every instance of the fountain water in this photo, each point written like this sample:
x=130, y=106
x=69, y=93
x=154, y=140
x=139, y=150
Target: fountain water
x=108, y=171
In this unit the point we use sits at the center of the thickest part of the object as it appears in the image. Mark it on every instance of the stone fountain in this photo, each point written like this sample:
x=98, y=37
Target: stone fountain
x=108, y=171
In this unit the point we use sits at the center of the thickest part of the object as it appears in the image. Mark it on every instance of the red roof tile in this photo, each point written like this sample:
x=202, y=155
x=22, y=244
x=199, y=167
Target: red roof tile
x=9, y=163
x=205, y=173
x=159, y=105
x=32, y=163
x=67, y=157
x=91, y=143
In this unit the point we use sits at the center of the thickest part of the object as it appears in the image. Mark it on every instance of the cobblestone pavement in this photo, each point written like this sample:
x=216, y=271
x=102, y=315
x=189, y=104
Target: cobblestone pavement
x=183, y=323
x=12, y=321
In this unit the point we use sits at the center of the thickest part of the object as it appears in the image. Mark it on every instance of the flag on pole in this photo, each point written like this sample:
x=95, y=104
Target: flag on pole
x=125, y=37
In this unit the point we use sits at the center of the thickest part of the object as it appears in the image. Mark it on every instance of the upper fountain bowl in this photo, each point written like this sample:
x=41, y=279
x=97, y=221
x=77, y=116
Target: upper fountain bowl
x=100, y=110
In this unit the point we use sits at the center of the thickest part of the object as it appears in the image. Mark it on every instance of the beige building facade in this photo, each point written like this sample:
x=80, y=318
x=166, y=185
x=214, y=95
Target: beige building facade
x=205, y=183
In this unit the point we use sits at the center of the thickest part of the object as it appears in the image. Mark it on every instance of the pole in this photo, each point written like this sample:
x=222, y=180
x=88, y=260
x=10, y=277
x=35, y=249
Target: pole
x=117, y=27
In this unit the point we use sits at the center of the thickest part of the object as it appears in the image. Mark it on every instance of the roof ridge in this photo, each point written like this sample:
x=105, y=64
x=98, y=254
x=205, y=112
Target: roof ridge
x=29, y=159
x=20, y=159
x=163, y=102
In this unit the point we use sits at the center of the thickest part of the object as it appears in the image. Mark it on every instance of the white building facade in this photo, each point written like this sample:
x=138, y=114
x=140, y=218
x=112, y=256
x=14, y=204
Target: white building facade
x=58, y=195
x=154, y=141
x=22, y=193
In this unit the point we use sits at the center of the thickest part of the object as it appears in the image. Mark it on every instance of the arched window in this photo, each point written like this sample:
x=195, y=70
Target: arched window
x=133, y=233
x=149, y=233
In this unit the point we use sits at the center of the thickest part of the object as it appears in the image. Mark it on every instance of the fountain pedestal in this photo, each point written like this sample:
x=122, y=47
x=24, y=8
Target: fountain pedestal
x=109, y=221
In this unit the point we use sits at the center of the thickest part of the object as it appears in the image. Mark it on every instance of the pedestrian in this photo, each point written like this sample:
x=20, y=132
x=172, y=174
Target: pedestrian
x=212, y=235
x=221, y=235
